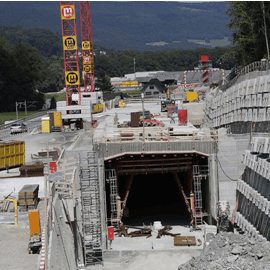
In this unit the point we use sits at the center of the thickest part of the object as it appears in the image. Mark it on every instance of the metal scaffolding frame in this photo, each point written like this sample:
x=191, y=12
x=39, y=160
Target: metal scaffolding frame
x=91, y=208
x=199, y=172
x=111, y=178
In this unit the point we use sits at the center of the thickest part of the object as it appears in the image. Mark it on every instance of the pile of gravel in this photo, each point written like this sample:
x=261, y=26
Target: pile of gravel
x=232, y=251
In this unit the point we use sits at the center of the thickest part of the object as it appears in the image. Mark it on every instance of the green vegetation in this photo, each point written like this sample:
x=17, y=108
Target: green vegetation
x=57, y=96
x=250, y=30
x=9, y=116
x=20, y=73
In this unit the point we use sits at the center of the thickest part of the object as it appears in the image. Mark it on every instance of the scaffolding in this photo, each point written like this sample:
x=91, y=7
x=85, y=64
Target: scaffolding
x=91, y=209
x=111, y=178
x=199, y=172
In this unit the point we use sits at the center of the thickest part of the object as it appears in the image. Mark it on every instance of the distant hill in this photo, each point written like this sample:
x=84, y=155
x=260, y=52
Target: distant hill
x=137, y=25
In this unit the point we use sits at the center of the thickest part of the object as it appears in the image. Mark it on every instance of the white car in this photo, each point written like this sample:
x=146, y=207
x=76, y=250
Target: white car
x=18, y=128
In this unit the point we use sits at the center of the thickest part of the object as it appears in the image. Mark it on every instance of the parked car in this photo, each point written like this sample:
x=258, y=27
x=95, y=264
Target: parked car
x=18, y=128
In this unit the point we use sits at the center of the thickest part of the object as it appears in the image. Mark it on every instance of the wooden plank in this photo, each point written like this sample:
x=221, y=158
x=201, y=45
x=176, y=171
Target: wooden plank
x=185, y=241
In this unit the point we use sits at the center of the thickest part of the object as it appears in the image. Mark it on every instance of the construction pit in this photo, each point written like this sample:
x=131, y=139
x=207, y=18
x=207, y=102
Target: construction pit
x=161, y=179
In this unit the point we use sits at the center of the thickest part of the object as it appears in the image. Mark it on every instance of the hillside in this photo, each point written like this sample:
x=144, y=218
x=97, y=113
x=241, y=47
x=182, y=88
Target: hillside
x=137, y=25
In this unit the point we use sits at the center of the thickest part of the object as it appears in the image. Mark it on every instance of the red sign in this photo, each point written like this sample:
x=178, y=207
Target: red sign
x=67, y=12
x=110, y=233
x=53, y=167
x=204, y=58
x=86, y=59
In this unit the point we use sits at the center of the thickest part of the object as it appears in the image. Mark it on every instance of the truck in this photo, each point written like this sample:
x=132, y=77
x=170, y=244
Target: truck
x=165, y=100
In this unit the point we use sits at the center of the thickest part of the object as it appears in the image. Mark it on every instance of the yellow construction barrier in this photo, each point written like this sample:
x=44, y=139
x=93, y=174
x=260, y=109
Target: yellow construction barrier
x=192, y=96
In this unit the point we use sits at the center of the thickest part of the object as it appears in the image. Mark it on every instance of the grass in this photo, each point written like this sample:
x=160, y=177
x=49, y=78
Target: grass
x=9, y=116
x=62, y=96
x=57, y=96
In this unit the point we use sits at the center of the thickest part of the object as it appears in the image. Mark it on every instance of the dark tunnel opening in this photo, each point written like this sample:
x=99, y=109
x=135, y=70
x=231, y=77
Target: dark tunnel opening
x=157, y=188
x=154, y=197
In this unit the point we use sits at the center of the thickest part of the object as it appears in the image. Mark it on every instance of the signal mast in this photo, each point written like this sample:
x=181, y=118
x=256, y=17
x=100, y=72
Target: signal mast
x=70, y=48
x=87, y=46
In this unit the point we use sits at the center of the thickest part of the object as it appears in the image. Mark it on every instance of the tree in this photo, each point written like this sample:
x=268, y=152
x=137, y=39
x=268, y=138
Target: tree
x=104, y=84
x=249, y=29
x=19, y=75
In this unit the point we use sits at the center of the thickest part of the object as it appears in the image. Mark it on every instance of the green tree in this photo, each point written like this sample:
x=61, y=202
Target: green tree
x=249, y=29
x=19, y=75
x=104, y=84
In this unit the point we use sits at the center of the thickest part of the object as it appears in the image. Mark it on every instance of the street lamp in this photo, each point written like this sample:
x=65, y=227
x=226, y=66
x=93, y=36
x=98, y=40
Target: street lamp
x=142, y=96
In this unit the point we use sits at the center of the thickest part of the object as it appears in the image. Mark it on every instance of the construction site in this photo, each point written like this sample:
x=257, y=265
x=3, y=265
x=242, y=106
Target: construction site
x=140, y=183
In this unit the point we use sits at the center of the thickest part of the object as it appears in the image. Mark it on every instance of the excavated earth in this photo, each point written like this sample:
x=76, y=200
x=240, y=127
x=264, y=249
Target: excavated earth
x=232, y=251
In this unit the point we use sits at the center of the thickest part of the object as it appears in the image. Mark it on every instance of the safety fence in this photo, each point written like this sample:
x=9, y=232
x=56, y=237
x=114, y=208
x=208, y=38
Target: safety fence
x=232, y=77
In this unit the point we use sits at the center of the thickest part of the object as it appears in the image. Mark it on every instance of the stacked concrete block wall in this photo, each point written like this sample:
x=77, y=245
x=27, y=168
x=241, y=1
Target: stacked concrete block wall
x=248, y=100
x=253, y=215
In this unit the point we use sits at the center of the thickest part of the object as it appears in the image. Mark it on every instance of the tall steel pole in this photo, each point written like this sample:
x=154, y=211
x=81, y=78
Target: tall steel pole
x=16, y=110
x=142, y=95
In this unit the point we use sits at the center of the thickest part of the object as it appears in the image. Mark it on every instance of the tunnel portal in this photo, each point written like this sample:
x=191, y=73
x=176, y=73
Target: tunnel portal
x=145, y=187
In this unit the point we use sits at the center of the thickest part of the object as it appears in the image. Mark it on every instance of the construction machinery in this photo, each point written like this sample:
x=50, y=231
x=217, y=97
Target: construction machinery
x=223, y=209
x=35, y=243
x=166, y=100
x=97, y=108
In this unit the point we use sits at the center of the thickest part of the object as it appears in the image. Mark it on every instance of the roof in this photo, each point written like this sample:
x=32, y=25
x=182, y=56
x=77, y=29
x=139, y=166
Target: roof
x=155, y=82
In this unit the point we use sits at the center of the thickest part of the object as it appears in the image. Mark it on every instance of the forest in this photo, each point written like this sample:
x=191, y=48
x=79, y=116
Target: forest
x=32, y=61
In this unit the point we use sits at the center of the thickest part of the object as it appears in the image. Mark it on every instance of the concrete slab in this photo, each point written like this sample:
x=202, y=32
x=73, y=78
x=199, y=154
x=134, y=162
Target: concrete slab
x=153, y=243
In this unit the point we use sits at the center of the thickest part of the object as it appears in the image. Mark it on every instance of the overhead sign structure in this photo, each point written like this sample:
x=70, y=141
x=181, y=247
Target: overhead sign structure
x=70, y=43
x=72, y=78
x=67, y=12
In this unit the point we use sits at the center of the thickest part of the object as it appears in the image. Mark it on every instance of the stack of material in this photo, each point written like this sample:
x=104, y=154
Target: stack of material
x=28, y=197
x=32, y=170
x=232, y=251
x=6, y=206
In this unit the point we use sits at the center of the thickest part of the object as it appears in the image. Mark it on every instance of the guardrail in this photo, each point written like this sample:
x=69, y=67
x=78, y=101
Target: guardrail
x=7, y=134
x=232, y=77
x=139, y=100
x=4, y=126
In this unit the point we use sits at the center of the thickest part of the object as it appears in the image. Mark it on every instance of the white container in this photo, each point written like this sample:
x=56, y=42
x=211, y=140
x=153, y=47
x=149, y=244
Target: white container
x=157, y=225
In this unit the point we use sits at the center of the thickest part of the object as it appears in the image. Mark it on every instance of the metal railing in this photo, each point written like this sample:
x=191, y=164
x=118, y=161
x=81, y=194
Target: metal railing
x=232, y=77
x=4, y=126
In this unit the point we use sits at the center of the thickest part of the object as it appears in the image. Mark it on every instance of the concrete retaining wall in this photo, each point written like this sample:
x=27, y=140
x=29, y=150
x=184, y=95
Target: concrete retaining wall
x=61, y=249
x=110, y=149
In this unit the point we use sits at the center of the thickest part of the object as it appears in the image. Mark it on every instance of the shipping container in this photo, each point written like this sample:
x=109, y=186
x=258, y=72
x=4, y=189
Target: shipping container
x=12, y=154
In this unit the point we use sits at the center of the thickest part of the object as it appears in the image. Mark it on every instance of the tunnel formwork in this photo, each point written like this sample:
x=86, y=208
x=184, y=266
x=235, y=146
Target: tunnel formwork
x=172, y=187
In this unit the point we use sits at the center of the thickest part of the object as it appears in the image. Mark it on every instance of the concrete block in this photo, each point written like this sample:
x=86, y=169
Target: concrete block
x=262, y=85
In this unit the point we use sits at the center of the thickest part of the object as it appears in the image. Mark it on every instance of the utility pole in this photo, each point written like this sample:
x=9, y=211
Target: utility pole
x=16, y=110
x=265, y=31
x=46, y=207
x=142, y=95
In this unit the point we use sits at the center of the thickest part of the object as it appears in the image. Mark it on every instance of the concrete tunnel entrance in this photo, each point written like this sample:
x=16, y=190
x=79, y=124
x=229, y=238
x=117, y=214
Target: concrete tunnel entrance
x=169, y=187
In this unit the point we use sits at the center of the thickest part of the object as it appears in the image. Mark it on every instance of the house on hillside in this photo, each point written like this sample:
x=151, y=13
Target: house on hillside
x=154, y=88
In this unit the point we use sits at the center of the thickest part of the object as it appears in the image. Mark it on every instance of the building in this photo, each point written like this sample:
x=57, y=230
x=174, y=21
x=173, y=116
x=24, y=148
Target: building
x=154, y=88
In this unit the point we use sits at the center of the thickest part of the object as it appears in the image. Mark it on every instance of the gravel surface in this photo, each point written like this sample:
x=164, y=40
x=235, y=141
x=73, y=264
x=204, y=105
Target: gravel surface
x=232, y=251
